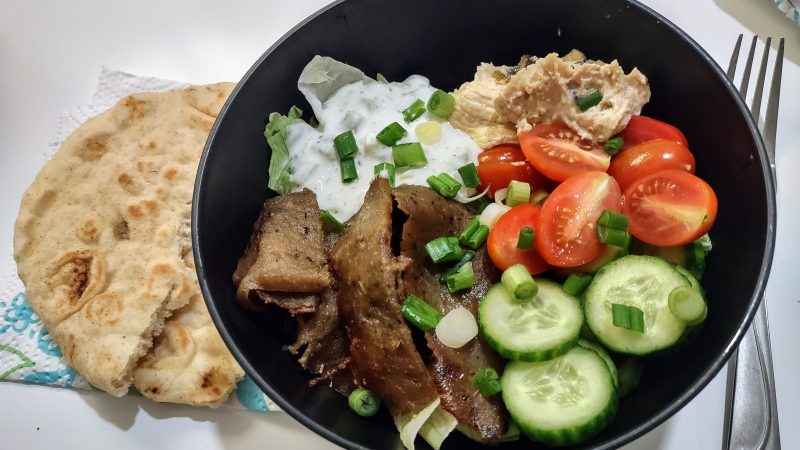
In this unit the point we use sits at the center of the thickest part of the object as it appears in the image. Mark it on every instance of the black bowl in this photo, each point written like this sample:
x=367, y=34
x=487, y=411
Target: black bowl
x=445, y=40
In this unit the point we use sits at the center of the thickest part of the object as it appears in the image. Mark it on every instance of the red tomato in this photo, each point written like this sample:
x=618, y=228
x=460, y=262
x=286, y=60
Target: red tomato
x=649, y=157
x=642, y=129
x=567, y=236
x=670, y=207
x=558, y=153
x=502, y=241
x=499, y=165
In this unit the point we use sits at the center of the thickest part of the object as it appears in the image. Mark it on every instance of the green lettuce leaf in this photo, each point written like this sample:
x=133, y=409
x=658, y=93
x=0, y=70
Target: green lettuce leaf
x=279, y=169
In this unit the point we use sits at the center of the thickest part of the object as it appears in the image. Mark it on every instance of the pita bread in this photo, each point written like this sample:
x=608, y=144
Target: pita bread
x=102, y=237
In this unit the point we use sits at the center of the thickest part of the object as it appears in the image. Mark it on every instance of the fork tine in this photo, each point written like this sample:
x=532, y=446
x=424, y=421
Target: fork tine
x=748, y=68
x=755, y=108
x=734, y=58
x=771, y=119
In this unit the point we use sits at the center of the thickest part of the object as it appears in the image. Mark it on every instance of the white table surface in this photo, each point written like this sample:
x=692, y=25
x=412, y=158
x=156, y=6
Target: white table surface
x=50, y=56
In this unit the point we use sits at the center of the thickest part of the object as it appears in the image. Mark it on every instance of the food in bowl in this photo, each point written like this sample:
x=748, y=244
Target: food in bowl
x=411, y=289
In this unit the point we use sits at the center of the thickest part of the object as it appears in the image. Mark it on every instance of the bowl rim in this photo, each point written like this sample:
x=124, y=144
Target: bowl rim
x=678, y=403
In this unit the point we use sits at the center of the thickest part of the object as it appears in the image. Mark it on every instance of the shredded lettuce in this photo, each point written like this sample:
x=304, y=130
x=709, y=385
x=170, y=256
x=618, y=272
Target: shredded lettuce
x=438, y=427
x=279, y=169
x=409, y=426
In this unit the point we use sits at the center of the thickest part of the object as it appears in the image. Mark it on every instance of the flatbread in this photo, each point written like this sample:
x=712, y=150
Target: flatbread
x=102, y=239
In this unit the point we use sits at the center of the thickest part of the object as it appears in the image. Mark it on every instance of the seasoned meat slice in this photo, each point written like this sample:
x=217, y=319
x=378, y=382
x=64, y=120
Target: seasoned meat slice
x=294, y=303
x=382, y=352
x=286, y=250
x=431, y=216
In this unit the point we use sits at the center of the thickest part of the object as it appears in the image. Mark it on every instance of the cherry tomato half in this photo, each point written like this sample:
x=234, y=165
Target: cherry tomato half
x=567, y=234
x=499, y=165
x=502, y=241
x=670, y=207
x=649, y=157
x=558, y=152
x=642, y=129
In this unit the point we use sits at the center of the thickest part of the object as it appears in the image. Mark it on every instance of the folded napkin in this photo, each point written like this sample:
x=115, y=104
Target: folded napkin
x=791, y=8
x=27, y=353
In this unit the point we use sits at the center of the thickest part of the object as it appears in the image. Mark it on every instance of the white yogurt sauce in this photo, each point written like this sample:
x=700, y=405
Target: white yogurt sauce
x=366, y=107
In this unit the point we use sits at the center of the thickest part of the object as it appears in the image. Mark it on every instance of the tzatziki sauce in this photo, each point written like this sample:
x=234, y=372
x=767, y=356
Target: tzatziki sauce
x=366, y=108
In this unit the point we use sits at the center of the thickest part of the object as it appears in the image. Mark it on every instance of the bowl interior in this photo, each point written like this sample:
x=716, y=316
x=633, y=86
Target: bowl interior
x=445, y=40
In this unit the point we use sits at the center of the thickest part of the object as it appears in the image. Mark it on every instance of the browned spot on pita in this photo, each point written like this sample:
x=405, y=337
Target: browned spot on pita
x=88, y=231
x=121, y=230
x=170, y=173
x=138, y=108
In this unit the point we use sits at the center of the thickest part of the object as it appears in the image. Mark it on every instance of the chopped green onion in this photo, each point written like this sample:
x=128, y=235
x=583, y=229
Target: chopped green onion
x=349, y=172
x=330, y=223
x=628, y=317
x=391, y=133
x=363, y=402
x=413, y=112
x=539, y=196
x=477, y=238
x=612, y=236
x=390, y=171
x=613, y=145
x=611, y=219
x=462, y=279
x=518, y=192
x=687, y=304
x=525, y=239
x=381, y=78
x=408, y=155
x=444, y=185
x=420, y=313
x=345, y=144
x=442, y=250
x=471, y=227
x=441, y=104
x=468, y=255
x=519, y=283
x=696, y=259
x=576, y=284
x=478, y=205
x=487, y=382
x=589, y=100
x=469, y=174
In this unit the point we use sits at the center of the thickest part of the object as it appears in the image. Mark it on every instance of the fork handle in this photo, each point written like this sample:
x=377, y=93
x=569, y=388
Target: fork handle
x=752, y=419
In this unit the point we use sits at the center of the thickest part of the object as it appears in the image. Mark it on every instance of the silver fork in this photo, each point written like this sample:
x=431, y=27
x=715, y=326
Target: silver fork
x=751, y=412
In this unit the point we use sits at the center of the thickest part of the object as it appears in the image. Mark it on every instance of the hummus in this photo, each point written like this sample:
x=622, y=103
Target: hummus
x=503, y=100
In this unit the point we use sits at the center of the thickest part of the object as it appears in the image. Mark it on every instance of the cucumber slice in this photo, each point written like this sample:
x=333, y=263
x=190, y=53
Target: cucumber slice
x=536, y=330
x=690, y=279
x=563, y=401
x=645, y=283
x=630, y=372
x=601, y=352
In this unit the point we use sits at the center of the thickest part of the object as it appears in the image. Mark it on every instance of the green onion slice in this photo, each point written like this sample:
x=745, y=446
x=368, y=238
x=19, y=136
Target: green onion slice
x=462, y=279
x=478, y=205
x=539, y=196
x=696, y=253
x=519, y=283
x=613, y=145
x=471, y=227
x=615, y=220
x=390, y=171
x=413, y=112
x=525, y=239
x=409, y=155
x=420, y=313
x=576, y=284
x=345, y=144
x=469, y=174
x=687, y=304
x=589, y=100
x=468, y=255
x=518, y=192
x=348, y=168
x=442, y=250
x=441, y=104
x=391, y=133
x=628, y=317
x=487, y=381
x=444, y=185
x=477, y=238
x=330, y=223
x=612, y=236
x=363, y=402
